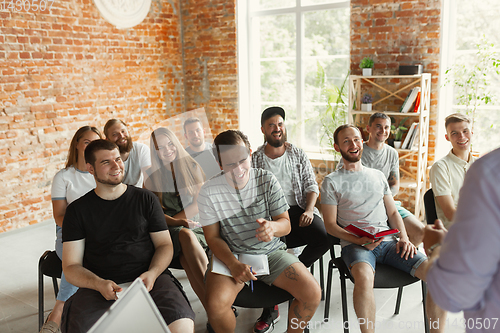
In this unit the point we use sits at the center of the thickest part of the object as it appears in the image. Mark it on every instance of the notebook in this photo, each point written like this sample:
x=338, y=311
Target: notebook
x=134, y=311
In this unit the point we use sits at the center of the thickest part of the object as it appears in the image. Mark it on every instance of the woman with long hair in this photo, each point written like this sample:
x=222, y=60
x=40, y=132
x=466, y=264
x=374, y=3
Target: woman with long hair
x=69, y=184
x=176, y=178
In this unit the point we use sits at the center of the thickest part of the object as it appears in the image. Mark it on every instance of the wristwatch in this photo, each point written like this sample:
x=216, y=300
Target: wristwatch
x=433, y=246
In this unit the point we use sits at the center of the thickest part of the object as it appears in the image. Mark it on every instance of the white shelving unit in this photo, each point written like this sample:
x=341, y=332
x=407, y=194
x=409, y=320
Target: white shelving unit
x=358, y=85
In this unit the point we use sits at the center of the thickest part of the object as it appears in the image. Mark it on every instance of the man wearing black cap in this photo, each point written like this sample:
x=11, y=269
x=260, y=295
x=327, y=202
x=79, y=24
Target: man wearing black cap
x=294, y=172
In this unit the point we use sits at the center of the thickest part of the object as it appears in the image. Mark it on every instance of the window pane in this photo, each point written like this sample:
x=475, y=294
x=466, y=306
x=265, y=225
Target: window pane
x=475, y=19
x=313, y=127
x=486, y=135
x=321, y=74
x=274, y=4
x=318, y=2
x=326, y=32
x=277, y=36
x=278, y=81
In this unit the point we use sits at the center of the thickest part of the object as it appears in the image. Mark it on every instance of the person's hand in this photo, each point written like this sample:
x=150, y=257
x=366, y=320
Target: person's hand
x=306, y=218
x=434, y=234
x=108, y=289
x=149, y=279
x=369, y=243
x=184, y=222
x=265, y=232
x=241, y=273
x=406, y=248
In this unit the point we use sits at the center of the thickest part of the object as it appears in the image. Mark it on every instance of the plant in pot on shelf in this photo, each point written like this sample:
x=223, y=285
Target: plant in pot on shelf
x=366, y=102
x=398, y=131
x=367, y=66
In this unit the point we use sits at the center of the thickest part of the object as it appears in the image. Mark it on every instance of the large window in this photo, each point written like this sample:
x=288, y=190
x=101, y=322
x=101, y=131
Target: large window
x=467, y=24
x=283, y=46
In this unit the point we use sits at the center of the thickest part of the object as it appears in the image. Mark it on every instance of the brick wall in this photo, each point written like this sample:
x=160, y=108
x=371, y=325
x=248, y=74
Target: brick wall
x=68, y=67
x=399, y=32
x=210, y=63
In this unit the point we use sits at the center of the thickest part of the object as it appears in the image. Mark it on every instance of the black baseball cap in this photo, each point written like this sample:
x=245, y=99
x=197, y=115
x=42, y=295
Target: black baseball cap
x=271, y=112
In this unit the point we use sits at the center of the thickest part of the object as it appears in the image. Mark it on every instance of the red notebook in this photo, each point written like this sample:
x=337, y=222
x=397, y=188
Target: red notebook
x=360, y=232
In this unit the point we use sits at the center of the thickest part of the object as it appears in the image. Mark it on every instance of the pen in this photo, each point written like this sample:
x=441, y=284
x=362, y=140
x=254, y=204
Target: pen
x=366, y=244
x=251, y=281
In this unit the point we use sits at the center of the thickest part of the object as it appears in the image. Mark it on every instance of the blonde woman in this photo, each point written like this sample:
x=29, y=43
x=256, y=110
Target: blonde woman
x=176, y=178
x=68, y=185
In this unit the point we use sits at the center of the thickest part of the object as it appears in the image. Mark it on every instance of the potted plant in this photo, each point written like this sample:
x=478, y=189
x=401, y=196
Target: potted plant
x=367, y=66
x=398, y=131
x=366, y=102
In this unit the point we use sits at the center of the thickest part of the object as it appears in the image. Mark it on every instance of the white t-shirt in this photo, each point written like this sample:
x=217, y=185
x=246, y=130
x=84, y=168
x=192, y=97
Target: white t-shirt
x=70, y=184
x=138, y=160
x=447, y=177
x=281, y=169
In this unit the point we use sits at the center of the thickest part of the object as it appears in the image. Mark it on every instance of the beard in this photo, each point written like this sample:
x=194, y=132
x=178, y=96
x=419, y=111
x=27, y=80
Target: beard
x=350, y=158
x=126, y=147
x=109, y=182
x=197, y=144
x=276, y=143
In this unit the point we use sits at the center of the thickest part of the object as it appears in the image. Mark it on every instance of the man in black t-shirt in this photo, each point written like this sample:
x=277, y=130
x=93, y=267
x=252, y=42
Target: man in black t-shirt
x=113, y=235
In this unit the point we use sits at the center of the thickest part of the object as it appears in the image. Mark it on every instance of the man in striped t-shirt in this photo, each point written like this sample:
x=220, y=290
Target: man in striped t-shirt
x=244, y=211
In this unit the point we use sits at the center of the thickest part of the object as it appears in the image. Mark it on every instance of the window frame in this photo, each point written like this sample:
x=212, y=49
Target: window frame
x=249, y=67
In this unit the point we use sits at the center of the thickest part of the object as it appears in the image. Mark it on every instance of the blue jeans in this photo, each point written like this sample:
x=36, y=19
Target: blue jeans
x=385, y=253
x=66, y=289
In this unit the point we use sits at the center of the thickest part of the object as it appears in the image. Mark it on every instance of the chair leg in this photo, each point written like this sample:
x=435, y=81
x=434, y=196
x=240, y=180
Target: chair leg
x=345, y=315
x=424, y=300
x=398, y=300
x=328, y=290
x=40, y=299
x=322, y=278
x=56, y=286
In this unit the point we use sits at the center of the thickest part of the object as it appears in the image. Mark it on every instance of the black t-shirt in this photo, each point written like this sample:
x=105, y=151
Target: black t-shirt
x=118, y=246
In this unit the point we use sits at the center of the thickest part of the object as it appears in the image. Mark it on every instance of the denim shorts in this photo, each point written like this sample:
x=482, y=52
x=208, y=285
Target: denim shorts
x=385, y=253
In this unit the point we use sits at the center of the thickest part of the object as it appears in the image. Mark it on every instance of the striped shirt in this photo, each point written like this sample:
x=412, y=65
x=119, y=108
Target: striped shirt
x=238, y=210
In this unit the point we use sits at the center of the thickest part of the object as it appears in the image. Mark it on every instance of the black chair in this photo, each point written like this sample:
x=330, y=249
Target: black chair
x=263, y=296
x=49, y=265
x=385, y=277
x=430, y=207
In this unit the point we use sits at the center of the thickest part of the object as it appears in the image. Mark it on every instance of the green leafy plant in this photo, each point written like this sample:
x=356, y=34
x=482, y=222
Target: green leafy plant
x=367, y=62
x=335, y=113
x=472, y=83
x=398, y=131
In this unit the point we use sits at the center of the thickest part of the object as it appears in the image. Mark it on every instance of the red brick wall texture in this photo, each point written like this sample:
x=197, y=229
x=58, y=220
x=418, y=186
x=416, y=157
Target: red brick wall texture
x=399, y=32
x=67, y=67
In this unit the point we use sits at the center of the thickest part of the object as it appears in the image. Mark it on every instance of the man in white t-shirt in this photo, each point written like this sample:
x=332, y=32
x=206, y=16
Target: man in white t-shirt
x=447, y=175
x=358, y=195
x=291, y=166
x=198, y=148
x=379, y=155
x=135, y=156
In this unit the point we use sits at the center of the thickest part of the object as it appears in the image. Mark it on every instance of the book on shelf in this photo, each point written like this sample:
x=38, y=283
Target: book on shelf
x=412, y=95
x=406, y=142
x=370, y=232
x=417, y=102
x=258, y=262
x=406, y=99
x=415, y=142
x=413, y=145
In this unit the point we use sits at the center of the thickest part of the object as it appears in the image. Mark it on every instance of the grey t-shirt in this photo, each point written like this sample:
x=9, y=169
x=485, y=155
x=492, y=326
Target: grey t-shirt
x=359, y=197
x=238, y=210
x=281, y=169
x=385, y=159
x=206, y=160
x=138, y=160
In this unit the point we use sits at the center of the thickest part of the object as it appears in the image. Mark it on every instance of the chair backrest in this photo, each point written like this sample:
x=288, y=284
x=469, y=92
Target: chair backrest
x=50, y=264
x=430, y=207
